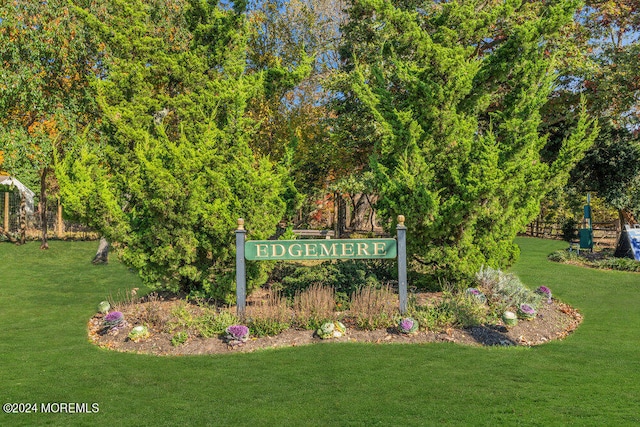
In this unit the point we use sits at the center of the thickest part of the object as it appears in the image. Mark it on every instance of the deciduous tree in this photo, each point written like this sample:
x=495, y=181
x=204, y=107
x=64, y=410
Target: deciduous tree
x=43, y=88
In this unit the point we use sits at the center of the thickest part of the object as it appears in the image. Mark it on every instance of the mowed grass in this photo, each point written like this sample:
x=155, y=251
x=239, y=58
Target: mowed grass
x=47, y=297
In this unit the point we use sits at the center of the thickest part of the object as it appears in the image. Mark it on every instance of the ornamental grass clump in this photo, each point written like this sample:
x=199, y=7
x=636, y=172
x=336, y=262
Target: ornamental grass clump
x=408, y=325
x=545, y=292
x=526, y=312
x=113, y=321
x=139, y=333
x=270, y=317
x=374, y=308
x=331, y=330
x=313, y=306
x=237, y=335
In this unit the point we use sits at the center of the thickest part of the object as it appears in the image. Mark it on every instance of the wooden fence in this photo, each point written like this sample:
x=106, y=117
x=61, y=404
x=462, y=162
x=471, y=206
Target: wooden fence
x=605, y=234
x=57, y=226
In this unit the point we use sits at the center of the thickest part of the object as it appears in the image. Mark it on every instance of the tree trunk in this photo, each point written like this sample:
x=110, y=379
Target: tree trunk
x=102, y=255
x=626, y=217
x=372, y=212
x=43, y=208
x=359, y=218
x=341, y=213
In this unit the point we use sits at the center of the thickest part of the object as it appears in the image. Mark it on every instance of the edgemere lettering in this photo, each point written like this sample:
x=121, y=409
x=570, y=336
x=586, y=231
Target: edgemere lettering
x=321, y=249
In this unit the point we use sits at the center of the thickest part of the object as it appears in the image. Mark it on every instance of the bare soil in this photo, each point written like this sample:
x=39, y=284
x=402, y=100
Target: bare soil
x=554, y=321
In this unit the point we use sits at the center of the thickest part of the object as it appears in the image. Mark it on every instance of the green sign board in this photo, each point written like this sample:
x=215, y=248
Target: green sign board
x=272, y=250
x=269, y=250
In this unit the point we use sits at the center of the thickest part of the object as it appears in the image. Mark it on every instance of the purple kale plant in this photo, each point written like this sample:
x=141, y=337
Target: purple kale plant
x=237, y=334
x=113, y=321
x=544, y=291
x=525, y=311
x=407, y=325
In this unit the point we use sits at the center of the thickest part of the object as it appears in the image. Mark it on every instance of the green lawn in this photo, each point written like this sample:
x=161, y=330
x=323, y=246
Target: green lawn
x=47, y=297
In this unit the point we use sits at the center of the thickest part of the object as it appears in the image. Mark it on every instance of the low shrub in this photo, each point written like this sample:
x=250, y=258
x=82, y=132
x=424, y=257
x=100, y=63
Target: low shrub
x=199, y=320
x=434, y=318
x=564, y=256
x=179, y=338
x=265, y=327
x=182, y=318
x=506, y=290
x=609, y=262
x=343, y=276
x=454, y=309
x=211, y=323
x=622, y=264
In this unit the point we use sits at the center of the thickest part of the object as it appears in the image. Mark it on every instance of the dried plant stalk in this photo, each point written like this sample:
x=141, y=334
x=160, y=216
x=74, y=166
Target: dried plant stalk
x=374, y=308
x=275, y=308
x=314, y=305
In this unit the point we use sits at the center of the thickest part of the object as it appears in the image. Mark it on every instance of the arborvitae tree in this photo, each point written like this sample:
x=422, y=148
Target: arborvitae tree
x=169, y=170
x=455, y=90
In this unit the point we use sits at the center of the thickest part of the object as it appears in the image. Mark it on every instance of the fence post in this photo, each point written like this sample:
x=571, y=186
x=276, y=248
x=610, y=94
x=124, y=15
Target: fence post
x=402, y=263
x=6, y=212
x=59, y=222
x=241, y=275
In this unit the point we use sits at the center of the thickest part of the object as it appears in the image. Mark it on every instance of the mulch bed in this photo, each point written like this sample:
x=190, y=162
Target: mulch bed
x=554, y=321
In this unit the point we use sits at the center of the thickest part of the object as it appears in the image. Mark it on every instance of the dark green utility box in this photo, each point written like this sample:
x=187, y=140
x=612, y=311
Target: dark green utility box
x=586, y=238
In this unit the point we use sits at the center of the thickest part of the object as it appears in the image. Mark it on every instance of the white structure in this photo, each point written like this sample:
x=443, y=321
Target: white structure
x=28, y=194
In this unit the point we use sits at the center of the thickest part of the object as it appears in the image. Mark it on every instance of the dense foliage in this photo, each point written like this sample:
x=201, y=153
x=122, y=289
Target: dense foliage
x=169, y=119
x=43, y=89
x=168, y=171
x=455, y=92
x=602, y=68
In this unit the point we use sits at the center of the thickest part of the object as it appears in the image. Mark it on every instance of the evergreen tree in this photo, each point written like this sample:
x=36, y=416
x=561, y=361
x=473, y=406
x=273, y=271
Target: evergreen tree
x=455, y=90
x=169, y=170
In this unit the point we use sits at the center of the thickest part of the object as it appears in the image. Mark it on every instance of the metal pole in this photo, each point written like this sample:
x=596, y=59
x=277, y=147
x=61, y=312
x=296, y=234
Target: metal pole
x=402, y=263
x=241, y=275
